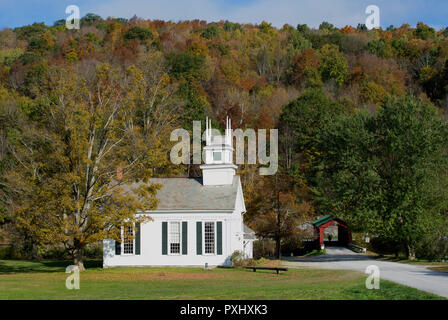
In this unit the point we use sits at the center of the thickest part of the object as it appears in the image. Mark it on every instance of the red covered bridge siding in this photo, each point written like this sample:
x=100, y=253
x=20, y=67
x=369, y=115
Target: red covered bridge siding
x=344, y=234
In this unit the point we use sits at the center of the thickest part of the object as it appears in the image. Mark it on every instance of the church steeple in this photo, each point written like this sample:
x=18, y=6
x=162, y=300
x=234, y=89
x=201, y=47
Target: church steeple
x=218, y=156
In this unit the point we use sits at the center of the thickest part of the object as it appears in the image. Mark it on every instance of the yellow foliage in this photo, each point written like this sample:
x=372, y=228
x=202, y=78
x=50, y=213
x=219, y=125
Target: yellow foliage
x=373, y=93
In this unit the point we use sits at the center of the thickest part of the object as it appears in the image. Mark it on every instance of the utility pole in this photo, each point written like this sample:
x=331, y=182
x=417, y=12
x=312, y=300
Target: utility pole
x=278, y=233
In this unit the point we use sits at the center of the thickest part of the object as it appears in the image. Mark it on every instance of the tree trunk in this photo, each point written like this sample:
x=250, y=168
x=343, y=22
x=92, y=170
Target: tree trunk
x=35, y=253
x=78, y=259
x=278, y=251
x=410, y=251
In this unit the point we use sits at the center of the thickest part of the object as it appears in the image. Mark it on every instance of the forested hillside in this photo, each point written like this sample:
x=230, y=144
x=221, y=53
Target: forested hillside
x=75, y=105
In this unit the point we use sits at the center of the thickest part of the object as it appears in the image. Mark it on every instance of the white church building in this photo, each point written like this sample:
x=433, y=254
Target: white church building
x=197, y=221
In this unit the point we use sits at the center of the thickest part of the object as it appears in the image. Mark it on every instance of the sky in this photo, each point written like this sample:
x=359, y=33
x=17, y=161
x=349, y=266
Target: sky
x=15, y=13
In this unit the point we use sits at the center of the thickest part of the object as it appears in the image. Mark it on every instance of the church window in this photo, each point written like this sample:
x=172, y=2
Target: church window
x=217, y=156
x=128, y=241
x=175, y=237
x=209, y=237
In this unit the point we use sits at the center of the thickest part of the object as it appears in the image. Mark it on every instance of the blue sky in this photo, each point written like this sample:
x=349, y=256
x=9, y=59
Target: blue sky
x=15, y=13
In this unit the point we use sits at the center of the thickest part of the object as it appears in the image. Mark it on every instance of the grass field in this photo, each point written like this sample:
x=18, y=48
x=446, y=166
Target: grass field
x=46, y=280
x=314, y=253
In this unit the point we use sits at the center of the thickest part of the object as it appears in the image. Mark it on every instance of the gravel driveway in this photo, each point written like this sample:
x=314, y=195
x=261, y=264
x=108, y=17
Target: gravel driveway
x=410, y=275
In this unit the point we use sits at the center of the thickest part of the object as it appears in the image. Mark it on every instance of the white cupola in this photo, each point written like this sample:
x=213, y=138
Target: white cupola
x=218, y=167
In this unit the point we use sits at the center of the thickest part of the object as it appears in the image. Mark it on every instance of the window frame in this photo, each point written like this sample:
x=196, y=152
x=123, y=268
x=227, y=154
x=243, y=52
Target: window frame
x=123, y=242
x=169, y=238
x=215, y=249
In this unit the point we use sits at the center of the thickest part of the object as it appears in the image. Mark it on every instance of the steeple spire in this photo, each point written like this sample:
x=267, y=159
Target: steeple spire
x=218, y=168
x=208, y=131
x=228, y=139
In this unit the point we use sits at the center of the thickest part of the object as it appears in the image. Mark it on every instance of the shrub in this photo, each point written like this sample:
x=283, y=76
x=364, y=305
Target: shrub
x=59, y=253
x=384, y=246
x=260, y=261
x=9, y=253
x=236, y=258
x=239, y=261
x=56, y=254
x=94, y=252
x=5, y=253
x=433, y=247
x=249, y=262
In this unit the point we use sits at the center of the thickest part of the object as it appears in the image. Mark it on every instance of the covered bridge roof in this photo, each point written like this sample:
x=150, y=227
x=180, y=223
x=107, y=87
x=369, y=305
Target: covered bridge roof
x=326, y=218
x=322, y=220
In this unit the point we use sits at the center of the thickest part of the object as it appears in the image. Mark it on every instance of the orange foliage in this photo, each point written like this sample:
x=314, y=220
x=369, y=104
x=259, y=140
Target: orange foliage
x=347, y=30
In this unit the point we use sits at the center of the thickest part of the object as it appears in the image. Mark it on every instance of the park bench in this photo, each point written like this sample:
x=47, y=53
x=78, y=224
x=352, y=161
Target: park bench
x=278, y=269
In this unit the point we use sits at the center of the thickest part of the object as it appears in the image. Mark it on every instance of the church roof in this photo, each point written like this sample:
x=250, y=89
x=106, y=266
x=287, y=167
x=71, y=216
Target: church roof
x=249, y=234
x=191, y=194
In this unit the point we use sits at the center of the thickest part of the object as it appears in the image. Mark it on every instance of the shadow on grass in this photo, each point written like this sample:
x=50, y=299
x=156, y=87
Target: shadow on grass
x=24, y=266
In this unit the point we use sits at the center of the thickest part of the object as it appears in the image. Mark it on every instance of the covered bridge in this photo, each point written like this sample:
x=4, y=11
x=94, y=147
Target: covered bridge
x=344, y=234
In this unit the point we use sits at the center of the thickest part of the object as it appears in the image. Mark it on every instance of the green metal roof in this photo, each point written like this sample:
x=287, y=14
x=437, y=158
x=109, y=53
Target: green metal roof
x=323, y=220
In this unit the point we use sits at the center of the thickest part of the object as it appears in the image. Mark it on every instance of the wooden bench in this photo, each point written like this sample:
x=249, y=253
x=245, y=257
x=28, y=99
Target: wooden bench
x=278, y=269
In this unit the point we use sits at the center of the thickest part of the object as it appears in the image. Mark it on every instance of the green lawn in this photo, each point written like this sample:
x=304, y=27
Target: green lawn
x=46, y=280
x=314, y=253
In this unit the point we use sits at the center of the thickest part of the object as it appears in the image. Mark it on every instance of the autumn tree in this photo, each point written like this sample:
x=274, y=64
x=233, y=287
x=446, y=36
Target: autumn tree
x=347, y=29
x=66, y=188
x=333, y=64
x=280, y=212
x=304, y=69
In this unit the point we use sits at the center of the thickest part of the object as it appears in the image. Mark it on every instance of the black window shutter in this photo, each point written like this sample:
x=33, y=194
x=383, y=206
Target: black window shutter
x=219, y=237
x=164, y=237
x=184, y=237
x=118, y=244
x=137, y=238
x=117, y=248
x=198, y=237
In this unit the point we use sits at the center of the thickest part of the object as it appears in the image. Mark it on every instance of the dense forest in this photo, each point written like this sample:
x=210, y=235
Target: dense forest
x=361, y=119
